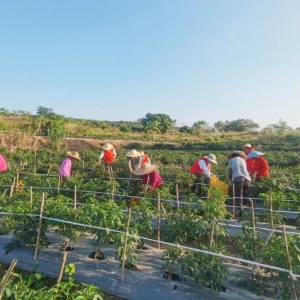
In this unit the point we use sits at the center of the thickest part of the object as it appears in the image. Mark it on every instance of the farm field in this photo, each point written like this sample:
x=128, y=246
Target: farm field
x=197, y=233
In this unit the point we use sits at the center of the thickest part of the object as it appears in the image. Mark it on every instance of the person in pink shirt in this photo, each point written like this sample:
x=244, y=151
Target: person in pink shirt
x=151, y=178
x=66, y=165
x=3, y=165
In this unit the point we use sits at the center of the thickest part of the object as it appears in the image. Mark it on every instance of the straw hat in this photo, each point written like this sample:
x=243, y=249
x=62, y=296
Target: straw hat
x=73, y=154
x=146, y=168
x=254, y=154
x=142, y=153
x=239, y=153
x=107, y=146
x=247, y=145
x=211, y=158
x=133, y=153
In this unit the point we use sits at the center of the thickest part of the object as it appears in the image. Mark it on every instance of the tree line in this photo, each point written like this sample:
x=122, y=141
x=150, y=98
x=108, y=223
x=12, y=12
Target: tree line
x=46, y=119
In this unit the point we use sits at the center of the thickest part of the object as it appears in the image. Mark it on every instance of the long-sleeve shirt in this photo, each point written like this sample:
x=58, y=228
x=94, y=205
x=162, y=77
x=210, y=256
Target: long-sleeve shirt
x=3, y=165
x=65, y=168
x=153, y=179
x=261, y=168
x=205, y=168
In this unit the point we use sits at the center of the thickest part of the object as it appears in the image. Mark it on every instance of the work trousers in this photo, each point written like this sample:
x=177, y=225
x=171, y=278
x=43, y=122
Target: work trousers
x=241, y=192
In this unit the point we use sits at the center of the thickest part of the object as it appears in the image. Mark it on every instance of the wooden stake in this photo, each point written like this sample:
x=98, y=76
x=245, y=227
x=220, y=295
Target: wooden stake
x=12, y=187
x=253, y=215
x=39, y=226
x=212, y=233
x=177, y=196
x=289, y=262
x=75, y=198
x=62, y=266
x=158, y=221
x=271, y=209
x=7, y=276
x=125, y=245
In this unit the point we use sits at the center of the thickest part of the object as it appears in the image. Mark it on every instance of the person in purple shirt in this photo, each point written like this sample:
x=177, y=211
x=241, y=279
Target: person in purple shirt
x=3, y=165
x=66, y=165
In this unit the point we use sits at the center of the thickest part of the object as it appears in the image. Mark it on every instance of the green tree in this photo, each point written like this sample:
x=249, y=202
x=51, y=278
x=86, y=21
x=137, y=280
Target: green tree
x=203, y=124
x=185, y=129
x=162, y=121
x=239, y=125
x=4, y=112
x=44, y=111
x=281, y=126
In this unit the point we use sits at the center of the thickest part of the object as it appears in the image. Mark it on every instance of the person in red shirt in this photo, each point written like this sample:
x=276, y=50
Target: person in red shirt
x=109, y=154
x=145, y=158
x=151, y=178
x=203, y=165
x=250, y=162
x=261, y=167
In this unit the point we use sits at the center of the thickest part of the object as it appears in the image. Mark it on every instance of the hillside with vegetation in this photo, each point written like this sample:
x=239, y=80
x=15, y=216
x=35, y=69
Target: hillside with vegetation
x=20, y=129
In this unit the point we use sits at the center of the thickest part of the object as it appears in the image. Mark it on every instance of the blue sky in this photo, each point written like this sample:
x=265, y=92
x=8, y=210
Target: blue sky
x=120, y=59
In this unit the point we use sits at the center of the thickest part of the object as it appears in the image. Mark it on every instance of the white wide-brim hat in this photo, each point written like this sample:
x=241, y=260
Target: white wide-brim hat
x=146, y=168
x=255, y=154
x=211, y=158
x=107, y=146
x=247, y=145
x=73, y=154
x=142, y=153
x=133, y=153
x=239, y=153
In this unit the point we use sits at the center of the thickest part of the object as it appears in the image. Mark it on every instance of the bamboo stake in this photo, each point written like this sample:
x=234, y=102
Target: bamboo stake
x=49, y=169
x=163, y=209
x=12, y=187
x=212, y=233
x=158, y=221
x=113, y=190
x=39, y=226
x=62, y=266
x=7, y=276
x=58, y=184
x=4, y=193
x=31, y=196
x=289, y=262
x=233, y=201
x=129, y=181
x=263, y=247
x=75, y=198
x=271, y=208
x=177, y=196
x=253, y=215
x=125, y=245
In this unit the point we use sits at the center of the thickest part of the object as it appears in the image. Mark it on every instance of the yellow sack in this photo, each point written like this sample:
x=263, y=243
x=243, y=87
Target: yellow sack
x=215, y=181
